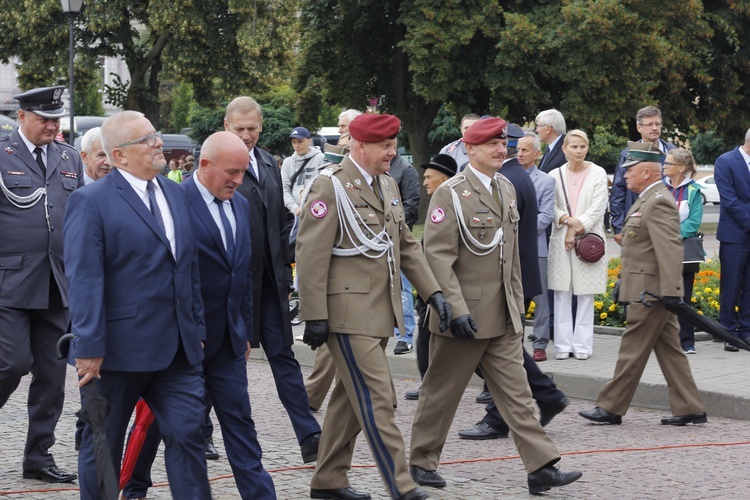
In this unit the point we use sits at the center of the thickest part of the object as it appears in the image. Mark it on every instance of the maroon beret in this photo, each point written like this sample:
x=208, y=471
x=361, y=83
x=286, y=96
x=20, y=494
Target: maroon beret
x=369, y=127
x=485, y=129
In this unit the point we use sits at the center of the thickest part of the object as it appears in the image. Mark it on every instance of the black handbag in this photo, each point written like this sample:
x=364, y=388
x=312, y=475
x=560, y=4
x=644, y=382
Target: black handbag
x=590, y=247
x=693, y=249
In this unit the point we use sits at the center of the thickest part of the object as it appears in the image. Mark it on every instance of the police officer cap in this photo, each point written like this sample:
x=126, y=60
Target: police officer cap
x=486, y=129
x=45, y=101
x=514, y=133
x=369, y=127
x=442, y=163
x=642, y=151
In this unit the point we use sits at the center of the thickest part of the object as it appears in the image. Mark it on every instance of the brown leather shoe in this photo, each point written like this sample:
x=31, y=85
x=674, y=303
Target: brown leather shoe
x=539, y=355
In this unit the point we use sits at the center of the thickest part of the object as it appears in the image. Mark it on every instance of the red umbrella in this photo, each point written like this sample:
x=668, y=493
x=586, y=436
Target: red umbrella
x=143, y=419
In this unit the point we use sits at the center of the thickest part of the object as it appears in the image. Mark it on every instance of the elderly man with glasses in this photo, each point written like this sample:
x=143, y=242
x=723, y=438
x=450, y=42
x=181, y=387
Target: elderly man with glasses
x=136, y=307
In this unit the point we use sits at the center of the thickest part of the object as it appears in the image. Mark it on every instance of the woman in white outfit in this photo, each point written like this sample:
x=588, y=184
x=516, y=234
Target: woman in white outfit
x=585, y=185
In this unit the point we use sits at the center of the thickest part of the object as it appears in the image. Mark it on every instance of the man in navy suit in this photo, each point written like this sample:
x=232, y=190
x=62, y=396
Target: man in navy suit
x=733, y=180
x=136, y=308
x=223, y=242
x=649, y=124
x=272, y=272
x=550, y=125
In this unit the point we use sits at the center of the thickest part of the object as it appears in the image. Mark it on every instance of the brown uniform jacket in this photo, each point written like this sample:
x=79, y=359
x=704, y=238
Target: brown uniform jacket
x=474, y=284
x=357, y=295
x=652, y=247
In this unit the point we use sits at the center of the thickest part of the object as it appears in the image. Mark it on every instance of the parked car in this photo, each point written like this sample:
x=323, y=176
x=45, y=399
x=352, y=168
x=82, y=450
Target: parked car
x=709, y=191
x=83, y=125
x=331, y=134
x=176, y=145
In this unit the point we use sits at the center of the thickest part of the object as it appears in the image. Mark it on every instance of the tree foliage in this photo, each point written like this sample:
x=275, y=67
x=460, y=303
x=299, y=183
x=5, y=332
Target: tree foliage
x=223, y=47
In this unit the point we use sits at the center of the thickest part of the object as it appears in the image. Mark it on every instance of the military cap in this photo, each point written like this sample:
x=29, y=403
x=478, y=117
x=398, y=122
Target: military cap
x=370, y=127
x=514, y=133
x=485, y=129
x=642, y=151
x=442, y=163
x=44, y=101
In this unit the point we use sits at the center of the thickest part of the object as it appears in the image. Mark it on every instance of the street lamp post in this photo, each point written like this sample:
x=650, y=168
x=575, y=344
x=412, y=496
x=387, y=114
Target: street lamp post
x=72, y=8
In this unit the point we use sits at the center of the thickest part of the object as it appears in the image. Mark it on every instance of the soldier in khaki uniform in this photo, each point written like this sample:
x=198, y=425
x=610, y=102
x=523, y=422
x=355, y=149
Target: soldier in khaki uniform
x=471, y=243
x=351, y=246
x=650, y=240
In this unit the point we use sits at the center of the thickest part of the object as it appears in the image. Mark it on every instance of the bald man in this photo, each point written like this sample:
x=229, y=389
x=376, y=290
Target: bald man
x=221, y=224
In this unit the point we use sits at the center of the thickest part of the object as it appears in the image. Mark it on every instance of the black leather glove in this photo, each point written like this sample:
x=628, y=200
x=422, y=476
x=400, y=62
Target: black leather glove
x=463, y=327
x=442, y=308
x=672, y=301
x=316, y=333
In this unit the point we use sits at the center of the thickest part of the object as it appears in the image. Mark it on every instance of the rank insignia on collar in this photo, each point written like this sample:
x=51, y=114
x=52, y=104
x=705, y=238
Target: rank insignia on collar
x=394, y=201
x=9, y=150
x=64, y=155
x=466, y=194
x=71, y=175
x=349, y=186
x=358, y=182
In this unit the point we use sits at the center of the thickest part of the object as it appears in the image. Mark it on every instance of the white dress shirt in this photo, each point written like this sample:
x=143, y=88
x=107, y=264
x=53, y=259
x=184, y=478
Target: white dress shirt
x=139, y=186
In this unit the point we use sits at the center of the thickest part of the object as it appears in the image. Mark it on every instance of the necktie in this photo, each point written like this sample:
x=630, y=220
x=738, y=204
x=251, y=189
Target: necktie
x=496, y=195
x=227, y=228
x=252, y=167
x=376, y=188
x=40, y=161
x=154, y=206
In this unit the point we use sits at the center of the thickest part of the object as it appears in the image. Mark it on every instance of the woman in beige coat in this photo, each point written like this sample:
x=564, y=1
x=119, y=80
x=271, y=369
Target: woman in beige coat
x=583, y=212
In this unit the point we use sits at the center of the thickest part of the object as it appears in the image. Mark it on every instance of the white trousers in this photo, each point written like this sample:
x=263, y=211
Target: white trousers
x=570, y=337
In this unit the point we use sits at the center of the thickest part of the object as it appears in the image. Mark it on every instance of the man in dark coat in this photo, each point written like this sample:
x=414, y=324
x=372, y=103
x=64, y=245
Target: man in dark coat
x=272, y=272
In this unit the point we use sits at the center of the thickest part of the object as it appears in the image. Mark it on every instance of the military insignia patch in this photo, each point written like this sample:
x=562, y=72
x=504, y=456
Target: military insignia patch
x=490, y=219
x=512, y=203
x=13, y=172
x=9, y=150
x=56, y=94
x=318, y=209
x=438, y=215
x=64, y=155
x=349, y=186
x=358, y=182
x=71, y=175
x=394, y=201
x=476, y=220
x=637, y=214
x=466, y=194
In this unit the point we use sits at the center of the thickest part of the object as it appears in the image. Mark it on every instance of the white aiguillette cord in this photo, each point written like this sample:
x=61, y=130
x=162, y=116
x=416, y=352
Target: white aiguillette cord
x=25, y=202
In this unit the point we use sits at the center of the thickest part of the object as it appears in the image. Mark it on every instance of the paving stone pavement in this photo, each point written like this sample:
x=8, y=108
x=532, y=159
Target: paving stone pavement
x=639, y=459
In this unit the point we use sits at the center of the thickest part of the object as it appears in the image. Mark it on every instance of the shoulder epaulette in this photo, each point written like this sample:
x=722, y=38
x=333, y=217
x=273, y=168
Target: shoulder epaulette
x=454, y=181
x=331, y=169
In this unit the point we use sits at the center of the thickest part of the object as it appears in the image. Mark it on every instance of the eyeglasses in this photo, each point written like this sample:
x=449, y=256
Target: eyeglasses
x=149, y=139
x=651, y=125
x=670, y=164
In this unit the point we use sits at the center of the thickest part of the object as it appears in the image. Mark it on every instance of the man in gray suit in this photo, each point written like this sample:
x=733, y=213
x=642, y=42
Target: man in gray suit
x=37, y=175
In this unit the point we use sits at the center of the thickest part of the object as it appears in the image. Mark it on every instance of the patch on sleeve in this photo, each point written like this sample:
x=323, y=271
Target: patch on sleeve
x=438, y=215
x=318, y=209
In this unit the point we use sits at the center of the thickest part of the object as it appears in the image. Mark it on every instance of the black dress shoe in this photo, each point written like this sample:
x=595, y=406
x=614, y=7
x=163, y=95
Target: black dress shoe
x=484, y=398
x=730, y=347
x=309, y=449
x=696, y=418
x=412, y=395
x=50, y=474
x=601, y=415
x=550, y=477
x=547, y=413
x=211, y=451
x=429, y=478
x=415, y=494
x=482, y=431
x=339, y=494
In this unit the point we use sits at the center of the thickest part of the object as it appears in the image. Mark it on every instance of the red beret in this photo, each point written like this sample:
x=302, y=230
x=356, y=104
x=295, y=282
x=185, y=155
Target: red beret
x=483, y=130
x=370, y=127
